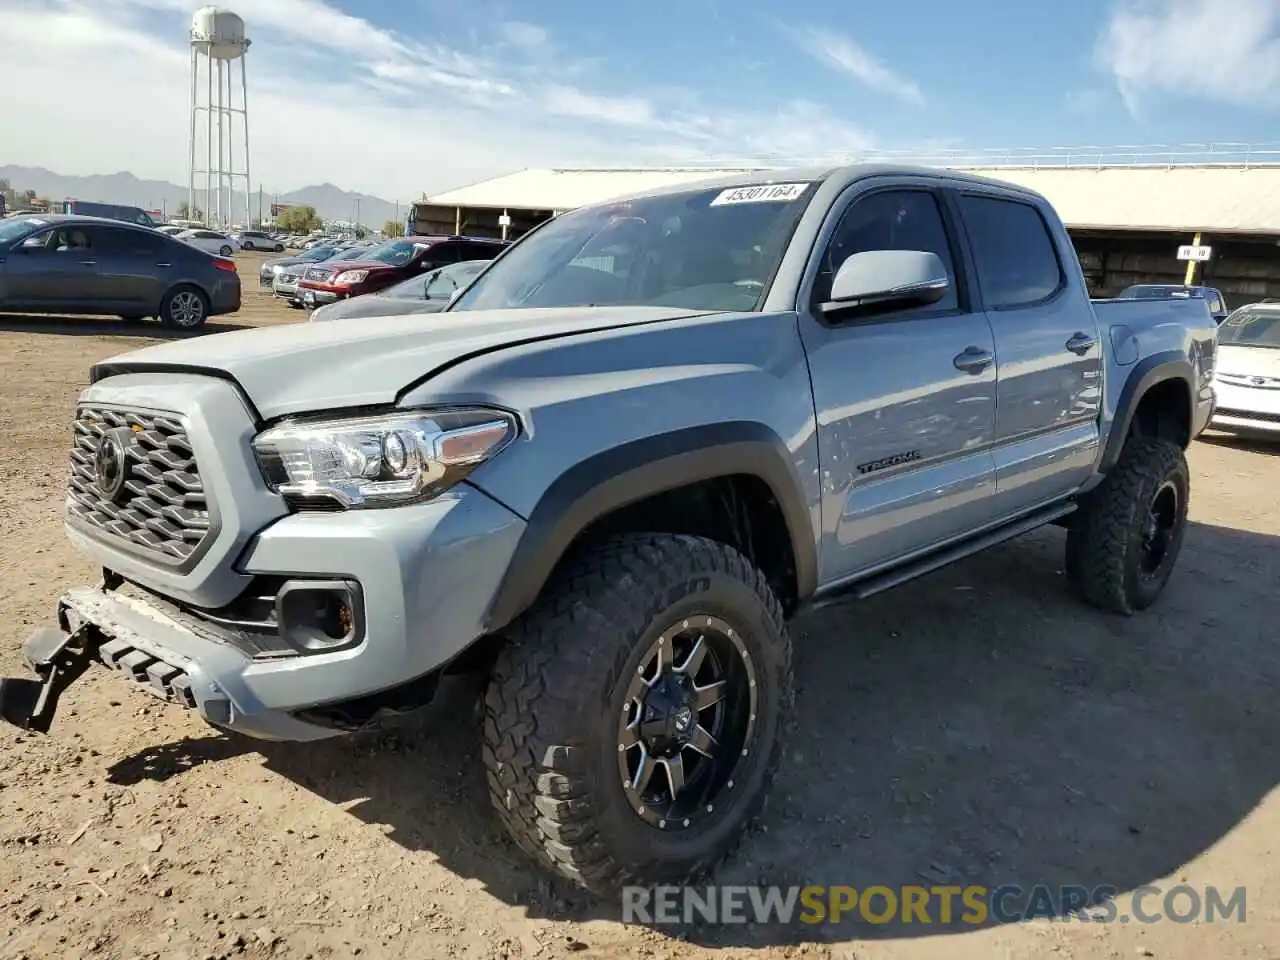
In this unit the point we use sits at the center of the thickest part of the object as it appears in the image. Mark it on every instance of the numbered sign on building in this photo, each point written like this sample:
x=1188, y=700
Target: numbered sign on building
x=1193, y=252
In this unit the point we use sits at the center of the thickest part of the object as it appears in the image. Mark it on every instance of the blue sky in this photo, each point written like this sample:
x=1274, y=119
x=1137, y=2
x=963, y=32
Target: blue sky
x=398, y=97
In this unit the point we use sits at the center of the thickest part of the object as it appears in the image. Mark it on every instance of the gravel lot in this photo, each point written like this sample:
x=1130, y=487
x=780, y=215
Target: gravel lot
x=976, y=726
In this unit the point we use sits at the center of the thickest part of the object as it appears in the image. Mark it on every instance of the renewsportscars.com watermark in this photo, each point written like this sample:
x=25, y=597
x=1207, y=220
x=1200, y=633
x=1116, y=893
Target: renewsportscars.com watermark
x=975, y=905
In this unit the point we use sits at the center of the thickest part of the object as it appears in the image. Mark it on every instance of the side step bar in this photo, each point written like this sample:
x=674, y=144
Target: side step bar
x=864, y=587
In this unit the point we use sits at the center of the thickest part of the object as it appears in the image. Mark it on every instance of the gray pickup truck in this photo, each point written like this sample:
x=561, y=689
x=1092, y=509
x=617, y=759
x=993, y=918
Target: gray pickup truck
x=643, y=439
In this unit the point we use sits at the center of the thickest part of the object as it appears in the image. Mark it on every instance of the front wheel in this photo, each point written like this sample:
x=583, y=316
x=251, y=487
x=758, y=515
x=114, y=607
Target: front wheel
x=184, y=309
x=1124, y=540
x=634, y=721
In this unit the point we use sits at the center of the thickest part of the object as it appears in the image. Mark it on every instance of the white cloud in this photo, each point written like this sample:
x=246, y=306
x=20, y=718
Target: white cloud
x=1223, y=51
x=335, y=98
x=844, y=55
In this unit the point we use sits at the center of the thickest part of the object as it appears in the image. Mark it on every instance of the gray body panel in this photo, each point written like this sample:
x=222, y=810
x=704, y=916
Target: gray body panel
x=373, y=305
x=890, y=447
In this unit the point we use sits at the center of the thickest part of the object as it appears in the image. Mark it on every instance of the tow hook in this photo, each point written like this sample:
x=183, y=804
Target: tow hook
x=58, y=659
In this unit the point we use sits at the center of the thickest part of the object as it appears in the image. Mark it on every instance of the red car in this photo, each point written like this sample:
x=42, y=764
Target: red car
x=383, y=266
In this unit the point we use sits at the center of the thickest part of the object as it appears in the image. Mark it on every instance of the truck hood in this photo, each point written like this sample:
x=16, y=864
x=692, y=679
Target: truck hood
x=311, y=367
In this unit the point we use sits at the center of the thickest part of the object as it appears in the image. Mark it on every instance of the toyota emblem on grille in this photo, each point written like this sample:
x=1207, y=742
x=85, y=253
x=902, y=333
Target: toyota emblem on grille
x=111, y=463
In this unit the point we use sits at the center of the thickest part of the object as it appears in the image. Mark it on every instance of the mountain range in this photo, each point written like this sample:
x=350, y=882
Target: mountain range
x=330, y=202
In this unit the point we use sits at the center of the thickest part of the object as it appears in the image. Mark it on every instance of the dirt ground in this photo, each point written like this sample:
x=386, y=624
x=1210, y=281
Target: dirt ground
x=976, y=726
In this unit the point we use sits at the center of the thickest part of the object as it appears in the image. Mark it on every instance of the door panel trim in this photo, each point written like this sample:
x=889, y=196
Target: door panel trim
x=1046, y=457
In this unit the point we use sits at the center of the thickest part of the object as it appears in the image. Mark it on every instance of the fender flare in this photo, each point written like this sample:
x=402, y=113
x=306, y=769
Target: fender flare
x=1155, y=369
x=642, y=468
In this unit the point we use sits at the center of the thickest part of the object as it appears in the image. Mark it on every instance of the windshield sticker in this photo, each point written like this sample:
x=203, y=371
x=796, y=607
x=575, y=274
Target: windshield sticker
x=764, y=193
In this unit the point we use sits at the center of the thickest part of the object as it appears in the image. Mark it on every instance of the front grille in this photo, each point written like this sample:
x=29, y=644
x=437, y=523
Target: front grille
x=317, y=273
x=1248, y=415
x=160, y=503
x=1247, y=380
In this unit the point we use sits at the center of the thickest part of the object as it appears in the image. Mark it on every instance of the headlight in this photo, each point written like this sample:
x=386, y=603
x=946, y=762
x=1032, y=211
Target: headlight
x=350, y=276
x=380, y=461
x=276, y=268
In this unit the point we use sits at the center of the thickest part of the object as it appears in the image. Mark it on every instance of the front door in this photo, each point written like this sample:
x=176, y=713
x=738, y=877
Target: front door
x=1049, y=378
x=53, y=270
x=906, y=402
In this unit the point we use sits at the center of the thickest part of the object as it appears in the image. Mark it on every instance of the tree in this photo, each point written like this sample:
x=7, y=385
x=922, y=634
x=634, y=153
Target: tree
x=298, y=219
x=393, y=229
x=186, y=212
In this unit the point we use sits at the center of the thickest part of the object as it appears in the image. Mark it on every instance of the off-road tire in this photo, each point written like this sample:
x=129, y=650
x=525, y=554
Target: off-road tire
x=1104, y=538
x=552, y=706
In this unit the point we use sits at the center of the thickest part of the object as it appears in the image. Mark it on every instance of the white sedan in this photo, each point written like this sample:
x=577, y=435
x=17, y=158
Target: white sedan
x=1247, y=372
x=210, y=241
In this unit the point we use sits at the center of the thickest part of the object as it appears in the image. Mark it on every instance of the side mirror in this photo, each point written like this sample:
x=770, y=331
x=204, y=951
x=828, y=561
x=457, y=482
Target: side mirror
x=884, y=280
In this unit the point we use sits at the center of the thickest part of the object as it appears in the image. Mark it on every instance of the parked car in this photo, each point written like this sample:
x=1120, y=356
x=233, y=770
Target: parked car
x=170, y=230
x=1158, y=291
x=257, y=240
x=388, y=264
x=88, y=265
x=270, y=268
x=108, y=211
x=1247, y=377
x=664, y=426
x=210, y=241
x=284, y=284
x=428, y=293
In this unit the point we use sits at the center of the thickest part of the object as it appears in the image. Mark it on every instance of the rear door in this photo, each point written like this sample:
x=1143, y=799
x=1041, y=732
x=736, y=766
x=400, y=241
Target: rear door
x=906, y=401
x=129, y=267
x=1048, y=345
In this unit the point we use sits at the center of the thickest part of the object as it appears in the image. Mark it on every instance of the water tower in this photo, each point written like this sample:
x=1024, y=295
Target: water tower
x=217, y=41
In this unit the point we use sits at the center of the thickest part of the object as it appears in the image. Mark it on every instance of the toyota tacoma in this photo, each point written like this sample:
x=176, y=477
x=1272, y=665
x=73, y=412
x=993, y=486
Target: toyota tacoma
x=609, y=474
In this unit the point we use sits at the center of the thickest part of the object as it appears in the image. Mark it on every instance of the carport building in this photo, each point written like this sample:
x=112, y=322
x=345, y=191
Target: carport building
x=1129, y=210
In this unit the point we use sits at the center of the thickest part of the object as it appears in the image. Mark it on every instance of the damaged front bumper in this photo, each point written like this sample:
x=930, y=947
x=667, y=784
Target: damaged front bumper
x=158, y=654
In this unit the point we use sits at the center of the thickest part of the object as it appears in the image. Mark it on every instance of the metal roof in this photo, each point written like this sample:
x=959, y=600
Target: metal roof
x=1183, y=198
x=565, y=189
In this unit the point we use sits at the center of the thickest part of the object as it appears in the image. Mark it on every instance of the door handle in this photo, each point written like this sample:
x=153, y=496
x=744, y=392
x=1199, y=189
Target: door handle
x=88, y=263
x=1081, y=343
x=164, y=265
x=974, y=360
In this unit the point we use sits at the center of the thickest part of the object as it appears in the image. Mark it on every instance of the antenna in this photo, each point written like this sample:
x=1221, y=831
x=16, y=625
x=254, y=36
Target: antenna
x=217, y=41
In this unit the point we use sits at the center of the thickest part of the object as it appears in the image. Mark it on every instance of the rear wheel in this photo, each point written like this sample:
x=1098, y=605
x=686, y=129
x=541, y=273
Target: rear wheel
x=225, y=251
x=184, y=308
x=635, y=720
x=1124, y=540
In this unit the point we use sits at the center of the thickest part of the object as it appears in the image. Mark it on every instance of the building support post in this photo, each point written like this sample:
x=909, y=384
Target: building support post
x=1191, y=265
x=457, y=221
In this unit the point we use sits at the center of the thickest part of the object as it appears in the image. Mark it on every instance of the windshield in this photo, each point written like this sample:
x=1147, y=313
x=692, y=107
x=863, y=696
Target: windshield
x=1251, y=328
x=318, y=253
x=394, y=252
x=444, y=282
x=709, y=249
x=13, y=230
